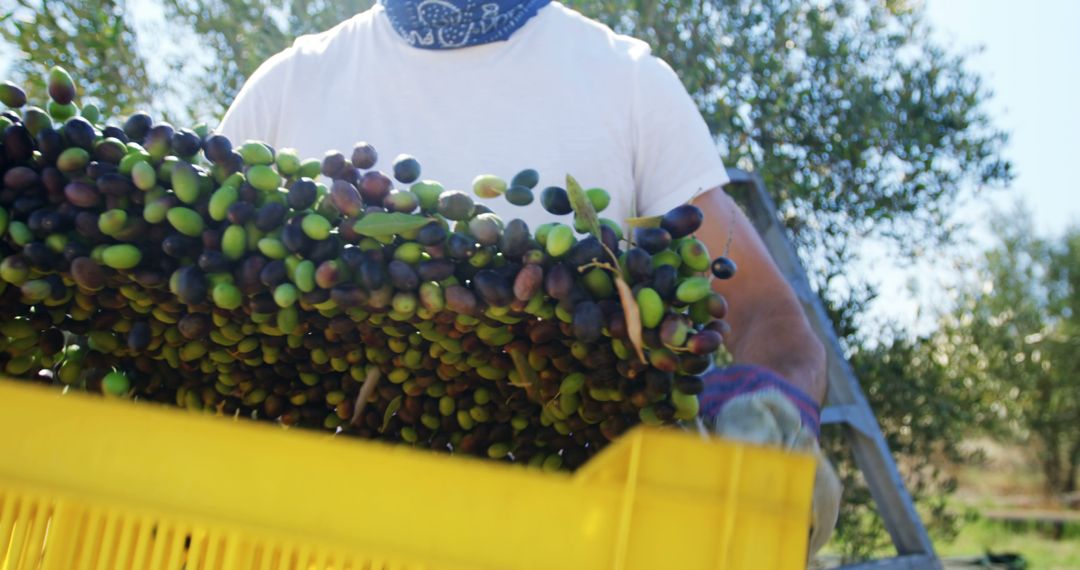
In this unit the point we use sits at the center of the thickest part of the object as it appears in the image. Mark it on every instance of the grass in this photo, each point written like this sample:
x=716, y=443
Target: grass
x=1008, y=480
x=1040, y=551
x=982, y=536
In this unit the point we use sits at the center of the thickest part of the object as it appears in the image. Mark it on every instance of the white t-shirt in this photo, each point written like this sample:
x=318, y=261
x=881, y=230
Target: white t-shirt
x=564, y=95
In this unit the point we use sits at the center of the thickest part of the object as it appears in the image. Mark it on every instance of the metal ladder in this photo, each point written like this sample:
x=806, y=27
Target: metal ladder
x=845, y=404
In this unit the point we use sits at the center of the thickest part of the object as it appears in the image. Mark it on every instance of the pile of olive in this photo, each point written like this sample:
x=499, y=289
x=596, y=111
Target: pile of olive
x=167, y=264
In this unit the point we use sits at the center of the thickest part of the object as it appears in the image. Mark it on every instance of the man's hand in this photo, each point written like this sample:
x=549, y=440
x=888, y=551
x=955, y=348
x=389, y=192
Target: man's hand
x=768, y=417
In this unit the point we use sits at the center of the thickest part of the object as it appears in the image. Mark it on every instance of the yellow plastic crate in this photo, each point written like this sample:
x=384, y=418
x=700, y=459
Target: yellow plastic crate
x=89, y=483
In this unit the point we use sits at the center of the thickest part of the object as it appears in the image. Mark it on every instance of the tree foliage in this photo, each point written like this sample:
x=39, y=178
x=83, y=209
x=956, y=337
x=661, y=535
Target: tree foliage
x=859, y=123
x=241, y=34
x=1015, y=331
x=1004, y=361
x=925, y=414
x=92, y=38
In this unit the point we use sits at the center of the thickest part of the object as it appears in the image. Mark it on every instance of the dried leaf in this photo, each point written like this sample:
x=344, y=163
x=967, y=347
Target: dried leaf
x=366, y=389
x=632, y=314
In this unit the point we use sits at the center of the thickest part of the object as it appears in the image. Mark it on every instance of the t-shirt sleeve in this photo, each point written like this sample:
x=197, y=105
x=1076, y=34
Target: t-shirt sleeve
x=675, y=157
x=255, y=111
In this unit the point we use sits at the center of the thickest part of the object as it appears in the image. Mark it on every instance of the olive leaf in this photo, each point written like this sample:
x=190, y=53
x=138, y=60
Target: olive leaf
x=384, y=224
x=391, y=409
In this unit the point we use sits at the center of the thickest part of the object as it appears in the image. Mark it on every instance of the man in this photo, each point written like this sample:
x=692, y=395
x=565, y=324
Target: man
x=498, y=86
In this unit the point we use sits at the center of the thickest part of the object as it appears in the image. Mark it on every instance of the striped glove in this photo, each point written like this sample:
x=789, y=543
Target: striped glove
x=755, y=405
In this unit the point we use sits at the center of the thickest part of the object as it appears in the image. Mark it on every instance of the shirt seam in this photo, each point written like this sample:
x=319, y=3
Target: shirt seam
x=635, y=137
x=703, y=183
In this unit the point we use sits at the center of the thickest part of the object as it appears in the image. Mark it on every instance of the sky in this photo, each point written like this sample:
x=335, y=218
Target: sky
x=1030, y=59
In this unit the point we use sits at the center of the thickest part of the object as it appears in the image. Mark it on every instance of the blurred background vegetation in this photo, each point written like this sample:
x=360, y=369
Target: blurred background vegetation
x=863, y=127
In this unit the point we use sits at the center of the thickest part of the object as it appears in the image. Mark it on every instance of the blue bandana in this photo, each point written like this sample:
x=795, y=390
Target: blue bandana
x=448, y=24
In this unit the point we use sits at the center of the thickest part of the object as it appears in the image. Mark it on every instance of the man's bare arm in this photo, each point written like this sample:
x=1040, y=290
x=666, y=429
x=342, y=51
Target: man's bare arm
x=768, y=326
